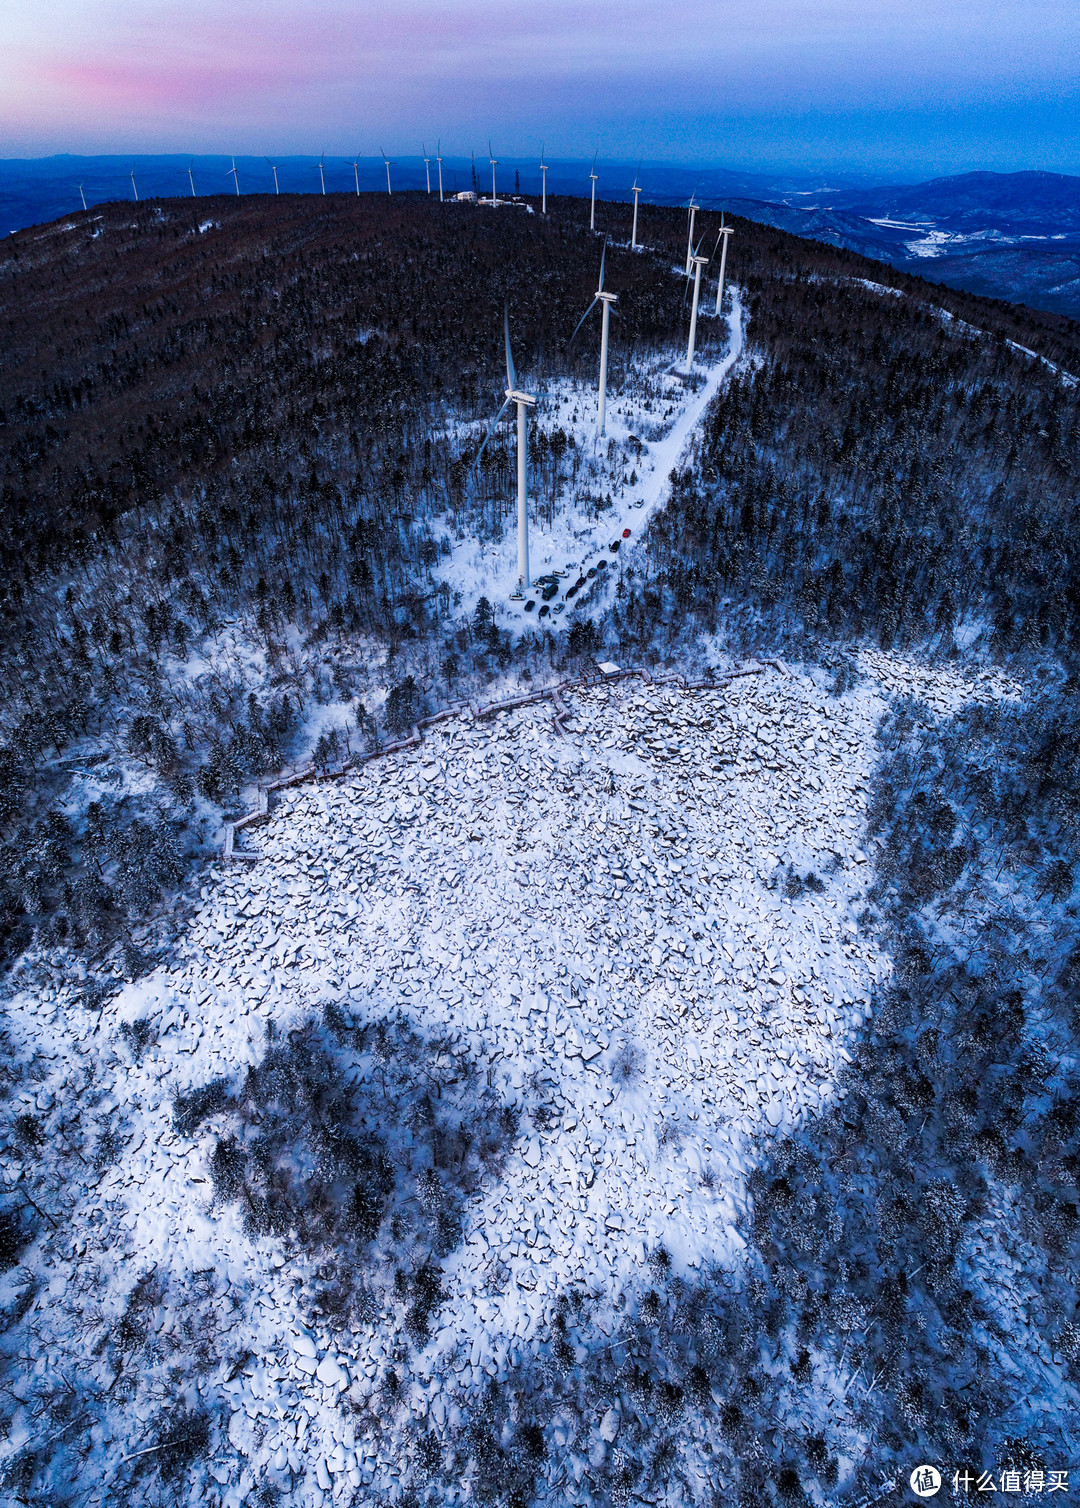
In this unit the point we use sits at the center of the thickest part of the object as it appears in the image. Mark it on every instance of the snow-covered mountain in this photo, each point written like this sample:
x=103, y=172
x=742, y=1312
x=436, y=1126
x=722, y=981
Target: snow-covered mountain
x=613, y=1041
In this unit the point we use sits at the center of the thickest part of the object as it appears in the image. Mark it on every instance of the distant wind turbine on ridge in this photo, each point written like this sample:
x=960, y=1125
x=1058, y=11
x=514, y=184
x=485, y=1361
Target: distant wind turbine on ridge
x=592, y=204
x=543, y=181
x=355, y=161
x=322, y=175
x=725, y=232
x=606, y=300
x=438, y=159
x=191, y=176
x=134, y=188
x=636, y=191
x=82, y=196
x=273, y=169
x=386, y=162
x=427, y=166
x=494, y=164
x=234, y=175
x=524, y=402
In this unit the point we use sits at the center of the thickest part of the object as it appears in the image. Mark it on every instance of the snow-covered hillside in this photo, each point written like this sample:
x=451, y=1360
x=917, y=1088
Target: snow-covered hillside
x=643, y=938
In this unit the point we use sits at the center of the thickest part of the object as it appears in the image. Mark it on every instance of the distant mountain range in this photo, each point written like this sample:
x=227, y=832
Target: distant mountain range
x=1014, y=236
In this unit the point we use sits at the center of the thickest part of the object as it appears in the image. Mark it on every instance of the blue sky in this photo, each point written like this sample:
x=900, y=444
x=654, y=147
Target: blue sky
x=900, y=87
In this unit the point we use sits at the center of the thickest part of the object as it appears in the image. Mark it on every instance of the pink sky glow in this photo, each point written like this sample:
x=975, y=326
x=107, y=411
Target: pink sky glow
x=146, y=75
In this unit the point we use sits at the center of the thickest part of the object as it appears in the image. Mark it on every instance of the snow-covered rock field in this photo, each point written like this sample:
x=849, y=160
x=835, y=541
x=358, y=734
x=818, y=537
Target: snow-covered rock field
x=605, y=923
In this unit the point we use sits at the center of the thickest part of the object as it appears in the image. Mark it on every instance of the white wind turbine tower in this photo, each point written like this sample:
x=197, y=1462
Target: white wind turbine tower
x=134, y=189
x=697, y=263
x=427, y=167
x=386, y=163
x=524, y=402
x=355, y=161
x=692, y=210
x=191, y=176
x=232, y=173
x=322, y=175
x=543, y=179
x=592, y=203
x=606, y=300
x=636, y=191
x=273, y=169
x=494, y=164
x=82, y=196
x=438, y=159
x=725, y=232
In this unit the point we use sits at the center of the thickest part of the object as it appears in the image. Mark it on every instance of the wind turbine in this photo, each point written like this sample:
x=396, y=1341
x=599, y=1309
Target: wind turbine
x=322, y=175
x=543, y=173
x=592, y=205
x=606, y=300
x=494, y=164
x=232, y=173
x=134, y=189
x=725, y=232
x=427, y=167
x=273, y=169
x=438, y=159
x=524, y=402
x=356, y=171
x=191, y=176
x=386, y=162
x=82, y=196
x=692, y=209
x=636, y=191
x=697, y=263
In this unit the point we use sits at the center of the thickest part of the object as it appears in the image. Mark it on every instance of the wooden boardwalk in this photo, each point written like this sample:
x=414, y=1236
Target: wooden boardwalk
x=479, y=712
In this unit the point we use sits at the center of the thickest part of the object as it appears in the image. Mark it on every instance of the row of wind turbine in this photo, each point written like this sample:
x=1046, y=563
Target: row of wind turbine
x=524, y=401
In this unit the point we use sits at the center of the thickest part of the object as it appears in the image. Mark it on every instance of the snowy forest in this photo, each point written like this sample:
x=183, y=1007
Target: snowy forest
x=237, y=447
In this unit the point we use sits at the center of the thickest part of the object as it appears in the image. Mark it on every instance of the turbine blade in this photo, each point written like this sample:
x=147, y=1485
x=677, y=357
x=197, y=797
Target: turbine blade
x=511, y=375
x=491, y=430
x=603, y=254
x=582, y=320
